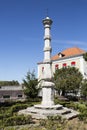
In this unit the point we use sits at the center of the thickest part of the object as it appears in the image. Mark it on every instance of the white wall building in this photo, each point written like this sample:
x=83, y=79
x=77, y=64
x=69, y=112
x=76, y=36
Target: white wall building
x=69, y=57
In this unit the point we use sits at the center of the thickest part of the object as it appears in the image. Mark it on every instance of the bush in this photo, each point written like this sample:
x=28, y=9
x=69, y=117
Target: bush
x=18, y=120
x=82, y=108
x=37, y=99
x=1, y=116
x=53, y=123
x=83, y=116
x=18, y=107
x=83, y=112
x=62, y=102
x=5, y=114
x=72, y=105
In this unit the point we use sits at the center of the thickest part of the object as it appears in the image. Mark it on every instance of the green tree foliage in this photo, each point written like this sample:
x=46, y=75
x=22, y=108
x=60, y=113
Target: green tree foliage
x=84, y=88
x=67, y=79
x=30, y=85
x=85, y=56
x=9, y=83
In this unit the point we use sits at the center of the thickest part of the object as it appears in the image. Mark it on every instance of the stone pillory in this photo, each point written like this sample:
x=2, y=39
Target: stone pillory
x=47, y=106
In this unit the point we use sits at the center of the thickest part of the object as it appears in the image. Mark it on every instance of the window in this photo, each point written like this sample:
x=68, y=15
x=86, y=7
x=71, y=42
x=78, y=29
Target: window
x=56, y=66
x=73, y=63
x=6, y=96
x=64, y=65
x=20, y=96
x=42, y=69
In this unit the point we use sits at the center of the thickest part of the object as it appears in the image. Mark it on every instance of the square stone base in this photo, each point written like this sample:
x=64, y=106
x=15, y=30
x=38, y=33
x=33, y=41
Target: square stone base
x=55, y=107
x=44, y=112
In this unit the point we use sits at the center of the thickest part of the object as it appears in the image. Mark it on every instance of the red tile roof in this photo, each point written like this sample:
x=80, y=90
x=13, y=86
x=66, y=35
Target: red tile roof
x=69, y=52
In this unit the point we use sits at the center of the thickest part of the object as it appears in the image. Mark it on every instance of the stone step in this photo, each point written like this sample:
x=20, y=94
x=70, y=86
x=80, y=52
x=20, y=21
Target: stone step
x=48, y=111
x=38, y=116
x=71, y=115
x=65, y=111
x=44, y=113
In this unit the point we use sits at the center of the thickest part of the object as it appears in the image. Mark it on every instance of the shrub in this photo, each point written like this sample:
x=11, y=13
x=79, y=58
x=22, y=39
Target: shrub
x=18, y=107
x=18, y=120
x=82, y=116
x=5, y=115
x=53, y=123
x=1, y=116
x=43, y=122
x=82, y=108
x=62, y=102
x=83, y=112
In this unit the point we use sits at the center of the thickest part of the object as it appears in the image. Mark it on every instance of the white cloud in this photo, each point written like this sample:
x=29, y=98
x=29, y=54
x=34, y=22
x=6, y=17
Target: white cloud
x=70, y=42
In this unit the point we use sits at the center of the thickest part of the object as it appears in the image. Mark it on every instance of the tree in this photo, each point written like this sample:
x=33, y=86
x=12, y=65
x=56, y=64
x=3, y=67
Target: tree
x=85, y=56
x=67, y=80
x=30, y=85
x=84, y=88
x=9, y=83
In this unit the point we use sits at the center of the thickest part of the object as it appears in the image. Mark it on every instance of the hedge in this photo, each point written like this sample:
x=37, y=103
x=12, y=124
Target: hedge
x=18, y=120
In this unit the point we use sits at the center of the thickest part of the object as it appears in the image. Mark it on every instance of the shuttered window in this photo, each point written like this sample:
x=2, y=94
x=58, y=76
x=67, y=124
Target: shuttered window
x=64, y=65
x=73, y=63
x=56, y=66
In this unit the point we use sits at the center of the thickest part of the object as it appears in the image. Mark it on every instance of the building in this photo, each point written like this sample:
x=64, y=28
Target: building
x=11, y=93
x=69, y=57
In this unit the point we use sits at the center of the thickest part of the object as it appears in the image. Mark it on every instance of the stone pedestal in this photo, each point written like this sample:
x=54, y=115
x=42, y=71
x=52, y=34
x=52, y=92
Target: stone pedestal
x=47, y=93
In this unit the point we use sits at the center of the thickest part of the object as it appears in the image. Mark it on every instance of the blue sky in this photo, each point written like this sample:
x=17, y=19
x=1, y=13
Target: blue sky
x=22, y=31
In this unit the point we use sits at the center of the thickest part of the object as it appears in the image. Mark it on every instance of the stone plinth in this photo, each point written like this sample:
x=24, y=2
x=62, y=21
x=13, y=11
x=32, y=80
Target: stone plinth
x=40, y=113
x=47, y=93
x=55, y=107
